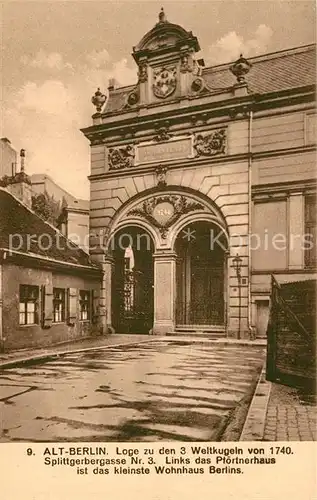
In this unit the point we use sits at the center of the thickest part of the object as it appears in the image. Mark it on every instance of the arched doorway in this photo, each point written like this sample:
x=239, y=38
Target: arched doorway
x=132, y=280
x=200, y=275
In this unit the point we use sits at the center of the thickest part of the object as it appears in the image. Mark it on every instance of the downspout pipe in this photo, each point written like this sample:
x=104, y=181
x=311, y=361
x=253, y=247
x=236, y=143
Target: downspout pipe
x=250, y=122
x=2, y=258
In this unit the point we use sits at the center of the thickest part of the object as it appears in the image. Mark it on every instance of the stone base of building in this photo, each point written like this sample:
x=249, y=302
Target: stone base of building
x=244, y=334
x=162, y=328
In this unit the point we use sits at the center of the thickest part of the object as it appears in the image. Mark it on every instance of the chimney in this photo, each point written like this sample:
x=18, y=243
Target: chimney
x=22, y=156
x=20, y=183
x=113, y=84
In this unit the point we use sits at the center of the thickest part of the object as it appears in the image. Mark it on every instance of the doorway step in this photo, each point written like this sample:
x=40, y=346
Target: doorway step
x=204, y=331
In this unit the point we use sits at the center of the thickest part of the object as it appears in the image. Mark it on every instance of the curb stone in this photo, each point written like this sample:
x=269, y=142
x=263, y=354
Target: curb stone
x=254, y=426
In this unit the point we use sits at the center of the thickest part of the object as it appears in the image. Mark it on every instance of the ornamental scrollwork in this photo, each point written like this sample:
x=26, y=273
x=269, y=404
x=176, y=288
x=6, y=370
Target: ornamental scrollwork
x=121, y=157
x=143, y=73
x=210, y=144
x=162, y=134
x=180, y=206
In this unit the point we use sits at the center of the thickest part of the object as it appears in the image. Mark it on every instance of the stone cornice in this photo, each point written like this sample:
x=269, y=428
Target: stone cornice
x=284, y=188
x=282, y=152
x=175, y=115
x=140, y=121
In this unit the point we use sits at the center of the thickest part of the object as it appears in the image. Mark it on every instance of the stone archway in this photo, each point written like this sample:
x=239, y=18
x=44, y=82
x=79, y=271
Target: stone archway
x=163, y=215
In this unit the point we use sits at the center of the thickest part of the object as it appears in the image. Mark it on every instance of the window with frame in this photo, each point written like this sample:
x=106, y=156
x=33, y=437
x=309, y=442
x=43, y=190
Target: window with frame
x=28, y=305
x=58, y=305
x=84, y=305
x=310, y=231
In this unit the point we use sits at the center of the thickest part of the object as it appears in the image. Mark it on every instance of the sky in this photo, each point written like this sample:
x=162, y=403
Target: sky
x=54, y=55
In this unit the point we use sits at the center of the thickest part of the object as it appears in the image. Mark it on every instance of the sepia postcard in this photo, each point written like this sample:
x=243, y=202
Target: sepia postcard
x=158, y=249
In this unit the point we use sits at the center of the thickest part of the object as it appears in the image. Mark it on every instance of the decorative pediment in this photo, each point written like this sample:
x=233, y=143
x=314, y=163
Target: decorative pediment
x=163, y=35
x=163, y=211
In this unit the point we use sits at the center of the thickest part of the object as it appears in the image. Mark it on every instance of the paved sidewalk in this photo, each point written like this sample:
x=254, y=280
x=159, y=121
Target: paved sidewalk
x=290, y=416
x=280, y=413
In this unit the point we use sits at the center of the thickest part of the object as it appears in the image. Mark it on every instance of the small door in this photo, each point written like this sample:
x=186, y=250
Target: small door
x=262, y=317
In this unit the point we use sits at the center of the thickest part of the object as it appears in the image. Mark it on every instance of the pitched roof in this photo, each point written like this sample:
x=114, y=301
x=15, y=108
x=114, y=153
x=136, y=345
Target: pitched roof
x=274, y=72
x=286, y=69
x=22, y=230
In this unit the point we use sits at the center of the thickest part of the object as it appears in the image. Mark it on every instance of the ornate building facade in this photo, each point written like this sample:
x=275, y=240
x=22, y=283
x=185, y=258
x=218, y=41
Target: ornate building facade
x=194, y=173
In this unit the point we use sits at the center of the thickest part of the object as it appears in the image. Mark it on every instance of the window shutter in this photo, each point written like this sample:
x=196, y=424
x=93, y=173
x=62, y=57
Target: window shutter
x=47, y=306
x=93, y=306
x=72, y=296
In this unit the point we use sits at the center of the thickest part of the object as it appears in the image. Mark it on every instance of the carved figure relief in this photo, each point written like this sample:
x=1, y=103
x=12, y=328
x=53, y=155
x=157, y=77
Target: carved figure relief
x=142, y=74
x=210, y=144
x=163, y=211
x=121, y=157
x=161, y=172
x=185, y=66
x=164, y=81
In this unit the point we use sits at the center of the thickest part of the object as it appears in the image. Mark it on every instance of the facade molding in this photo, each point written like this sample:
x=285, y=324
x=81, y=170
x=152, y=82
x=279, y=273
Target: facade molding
x=284, y=188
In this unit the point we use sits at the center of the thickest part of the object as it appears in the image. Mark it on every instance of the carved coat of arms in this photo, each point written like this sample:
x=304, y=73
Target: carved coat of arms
x=164, y=81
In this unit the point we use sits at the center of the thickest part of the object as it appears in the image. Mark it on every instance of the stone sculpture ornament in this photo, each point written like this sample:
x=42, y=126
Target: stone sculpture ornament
x=121, y=157
x=185, y=66
x=210, y=144
x=162, y=134
x=240, y=68
x=133, y=98
x=98, y=100
x=164, y=81
x=163, y=211
x=161, y=172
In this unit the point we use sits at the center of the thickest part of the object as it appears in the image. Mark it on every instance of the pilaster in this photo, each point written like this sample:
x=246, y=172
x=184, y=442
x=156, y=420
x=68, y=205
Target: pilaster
x=164, y=292
x=296, y=231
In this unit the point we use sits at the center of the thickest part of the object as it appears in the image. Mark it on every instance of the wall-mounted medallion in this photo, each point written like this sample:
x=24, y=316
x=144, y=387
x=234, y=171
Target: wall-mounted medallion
x=121, y=157
x=164, y=81
x=163, y=211
x=210, y=144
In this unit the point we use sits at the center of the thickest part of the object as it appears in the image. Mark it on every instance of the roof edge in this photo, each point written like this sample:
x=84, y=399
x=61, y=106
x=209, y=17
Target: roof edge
x=265, y=56
x=43, y=220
